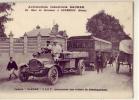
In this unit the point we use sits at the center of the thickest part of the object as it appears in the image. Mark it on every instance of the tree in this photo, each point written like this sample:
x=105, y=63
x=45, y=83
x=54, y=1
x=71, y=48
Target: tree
x=106, y=27
x=5, y=11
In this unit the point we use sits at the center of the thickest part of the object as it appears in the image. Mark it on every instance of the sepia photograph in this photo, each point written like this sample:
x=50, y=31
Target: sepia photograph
x=73, y=49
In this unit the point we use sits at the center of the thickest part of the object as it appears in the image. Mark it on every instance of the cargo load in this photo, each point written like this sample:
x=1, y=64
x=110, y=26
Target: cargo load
x=75, y=54
x=126, y=46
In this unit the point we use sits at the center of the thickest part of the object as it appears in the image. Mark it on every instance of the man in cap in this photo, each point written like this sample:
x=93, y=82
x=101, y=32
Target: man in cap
x=49, y=46
x=56, y=50
x=99, y=61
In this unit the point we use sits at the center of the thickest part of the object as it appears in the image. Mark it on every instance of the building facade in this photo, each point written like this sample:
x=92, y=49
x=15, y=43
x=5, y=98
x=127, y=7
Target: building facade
x=30, y=42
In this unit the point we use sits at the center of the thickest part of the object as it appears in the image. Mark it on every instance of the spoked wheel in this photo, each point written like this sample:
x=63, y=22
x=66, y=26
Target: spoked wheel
x=23, y=77
x=81, y=67
x=52, y=75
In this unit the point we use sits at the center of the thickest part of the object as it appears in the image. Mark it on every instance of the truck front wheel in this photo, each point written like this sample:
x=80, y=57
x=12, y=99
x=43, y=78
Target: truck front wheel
x=23, y=77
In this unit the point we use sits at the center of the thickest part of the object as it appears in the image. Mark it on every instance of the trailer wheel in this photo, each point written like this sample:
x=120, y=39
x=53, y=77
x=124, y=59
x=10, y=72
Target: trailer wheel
x=52, y=75
x=81, y=67
x=23, y=77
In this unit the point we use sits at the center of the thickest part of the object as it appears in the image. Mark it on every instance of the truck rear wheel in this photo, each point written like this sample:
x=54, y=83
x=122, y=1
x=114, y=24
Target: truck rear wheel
x=81, y=67
x=52, y=75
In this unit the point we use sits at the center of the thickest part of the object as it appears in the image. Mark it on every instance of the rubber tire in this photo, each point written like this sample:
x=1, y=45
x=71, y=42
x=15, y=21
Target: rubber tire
x=23, y=77
x=50, y=80
x=81, y=67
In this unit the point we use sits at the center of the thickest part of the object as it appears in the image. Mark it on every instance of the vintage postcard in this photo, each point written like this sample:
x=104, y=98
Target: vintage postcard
x=66, y=49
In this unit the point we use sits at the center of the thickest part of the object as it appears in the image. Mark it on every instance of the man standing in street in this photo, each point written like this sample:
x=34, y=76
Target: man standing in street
x=111, y=61
x=11, y=67
x=99, y=62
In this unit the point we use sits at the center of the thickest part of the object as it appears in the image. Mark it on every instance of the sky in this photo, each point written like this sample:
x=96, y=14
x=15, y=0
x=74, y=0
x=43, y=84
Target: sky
x=73, y=22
